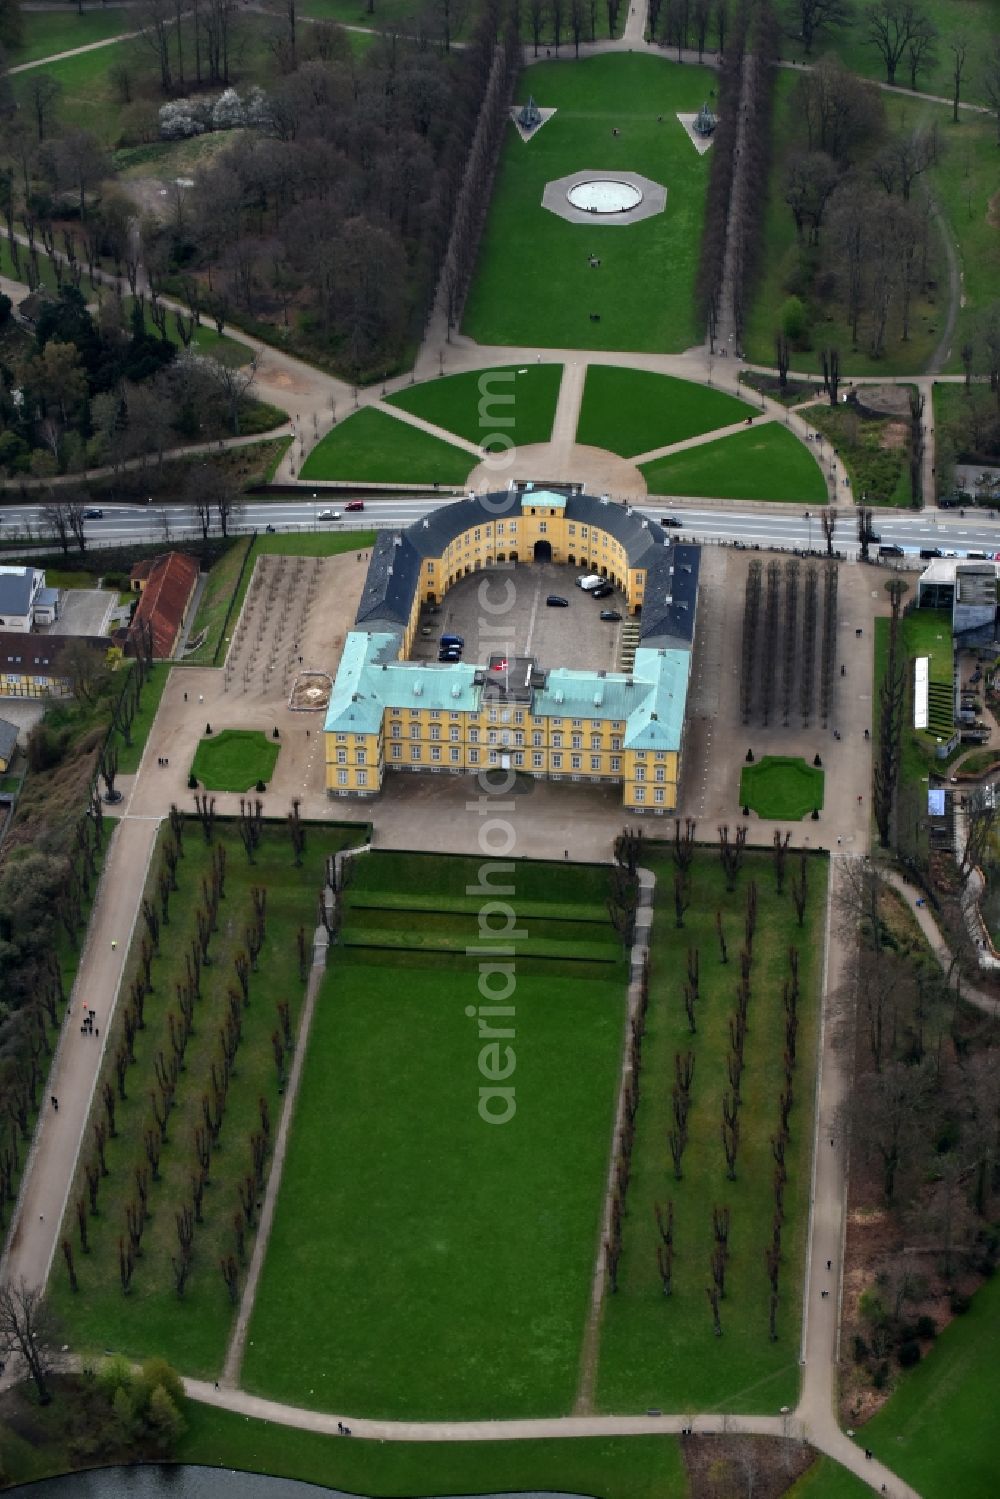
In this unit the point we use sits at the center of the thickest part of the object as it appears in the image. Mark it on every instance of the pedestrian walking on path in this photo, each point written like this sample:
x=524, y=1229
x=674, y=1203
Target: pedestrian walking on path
x=114, y=944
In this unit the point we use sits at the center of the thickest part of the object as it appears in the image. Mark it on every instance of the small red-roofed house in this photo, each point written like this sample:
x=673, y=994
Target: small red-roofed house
x=166, y=586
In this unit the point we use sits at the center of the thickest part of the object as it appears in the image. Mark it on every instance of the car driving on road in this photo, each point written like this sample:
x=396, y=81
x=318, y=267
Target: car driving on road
x=93, y=514
x=328, y=515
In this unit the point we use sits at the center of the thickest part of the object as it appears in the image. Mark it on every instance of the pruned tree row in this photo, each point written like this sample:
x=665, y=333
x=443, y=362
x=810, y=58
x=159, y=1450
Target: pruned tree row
x=778, y=654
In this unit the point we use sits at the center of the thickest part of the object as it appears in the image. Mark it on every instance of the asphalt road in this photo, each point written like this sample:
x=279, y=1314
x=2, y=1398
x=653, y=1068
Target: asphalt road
x=790, y=527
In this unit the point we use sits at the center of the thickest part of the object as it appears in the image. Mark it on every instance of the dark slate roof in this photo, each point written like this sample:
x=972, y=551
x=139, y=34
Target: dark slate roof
x=38, y=655
x=639, y=535
x=393, y=575
x=670, y=601
x=394, y=570
x=636, y=532
x=15, y=591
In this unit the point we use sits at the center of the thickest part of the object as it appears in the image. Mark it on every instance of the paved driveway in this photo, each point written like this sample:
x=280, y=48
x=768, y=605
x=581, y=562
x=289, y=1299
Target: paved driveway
x=84, y=611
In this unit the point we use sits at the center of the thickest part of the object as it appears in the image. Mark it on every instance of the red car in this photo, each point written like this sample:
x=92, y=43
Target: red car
x=355, y=505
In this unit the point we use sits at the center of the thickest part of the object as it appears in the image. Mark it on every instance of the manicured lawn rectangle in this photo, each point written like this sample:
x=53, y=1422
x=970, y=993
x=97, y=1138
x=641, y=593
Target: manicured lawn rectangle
x=766, y=462
x=658, y=1351
x=191, y=1332
x=606, y=1468
x=372, y=446
x=937, y=1429
x=425, y=1262
x=515, y=403
x=634, y=411
x=465, y=880
x=234, y=760
x=534, y=285
x=781, y=786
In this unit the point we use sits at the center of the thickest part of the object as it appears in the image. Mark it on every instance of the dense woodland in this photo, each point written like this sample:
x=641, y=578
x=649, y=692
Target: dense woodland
x=922, y=1118
x=866, y=240
x=334, y=214
x=323, y=223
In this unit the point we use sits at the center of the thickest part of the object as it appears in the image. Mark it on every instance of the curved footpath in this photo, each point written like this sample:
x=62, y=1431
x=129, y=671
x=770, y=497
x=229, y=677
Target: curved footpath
x=932, y=932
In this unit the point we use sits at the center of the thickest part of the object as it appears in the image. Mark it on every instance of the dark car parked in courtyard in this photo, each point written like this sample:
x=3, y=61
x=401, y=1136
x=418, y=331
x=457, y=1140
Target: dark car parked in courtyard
x=556, y=601
x=611, y=614
x=603, y=592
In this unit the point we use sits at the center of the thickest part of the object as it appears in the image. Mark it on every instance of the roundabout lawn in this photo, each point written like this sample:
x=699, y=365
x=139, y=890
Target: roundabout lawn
x=634, y=411
x=534, y=285
x=763, y=463
x=515, y=402
x=234, y=760
x=781, y=787
x=373, y=447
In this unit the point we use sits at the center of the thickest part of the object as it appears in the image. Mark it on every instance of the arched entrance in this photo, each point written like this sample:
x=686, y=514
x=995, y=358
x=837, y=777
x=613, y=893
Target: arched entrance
x=543, y=551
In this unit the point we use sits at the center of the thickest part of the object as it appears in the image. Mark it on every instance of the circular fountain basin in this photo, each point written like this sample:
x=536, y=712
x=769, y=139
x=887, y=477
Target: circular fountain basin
x=604, y=195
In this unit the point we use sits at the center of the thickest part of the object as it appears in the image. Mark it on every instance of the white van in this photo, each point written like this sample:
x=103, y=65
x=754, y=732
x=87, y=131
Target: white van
x=589, y=582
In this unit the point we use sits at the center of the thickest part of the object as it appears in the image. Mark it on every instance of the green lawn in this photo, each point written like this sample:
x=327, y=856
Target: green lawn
x=20, y=272
x=191, y=1332
x=515, y=403
x=370, y=445
x=658, y=1351
x=234, y=760
x=92, y=100
x=129, y=755
x=632, y=411
x=205, y=340
x=828, y=1480
x=936, y=1430
x=965, y=183
x=214, y=603
x=926, y=632
x=533, y=284
x=45, y=33
x=782, y=787
x=452, y=1257
x=615, y=1468
x=879, y=472
x=952, y=18
x=766, y=462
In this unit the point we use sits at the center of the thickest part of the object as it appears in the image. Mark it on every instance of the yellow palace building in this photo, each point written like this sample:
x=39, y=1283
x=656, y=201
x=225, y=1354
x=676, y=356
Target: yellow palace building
x=387, y=712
